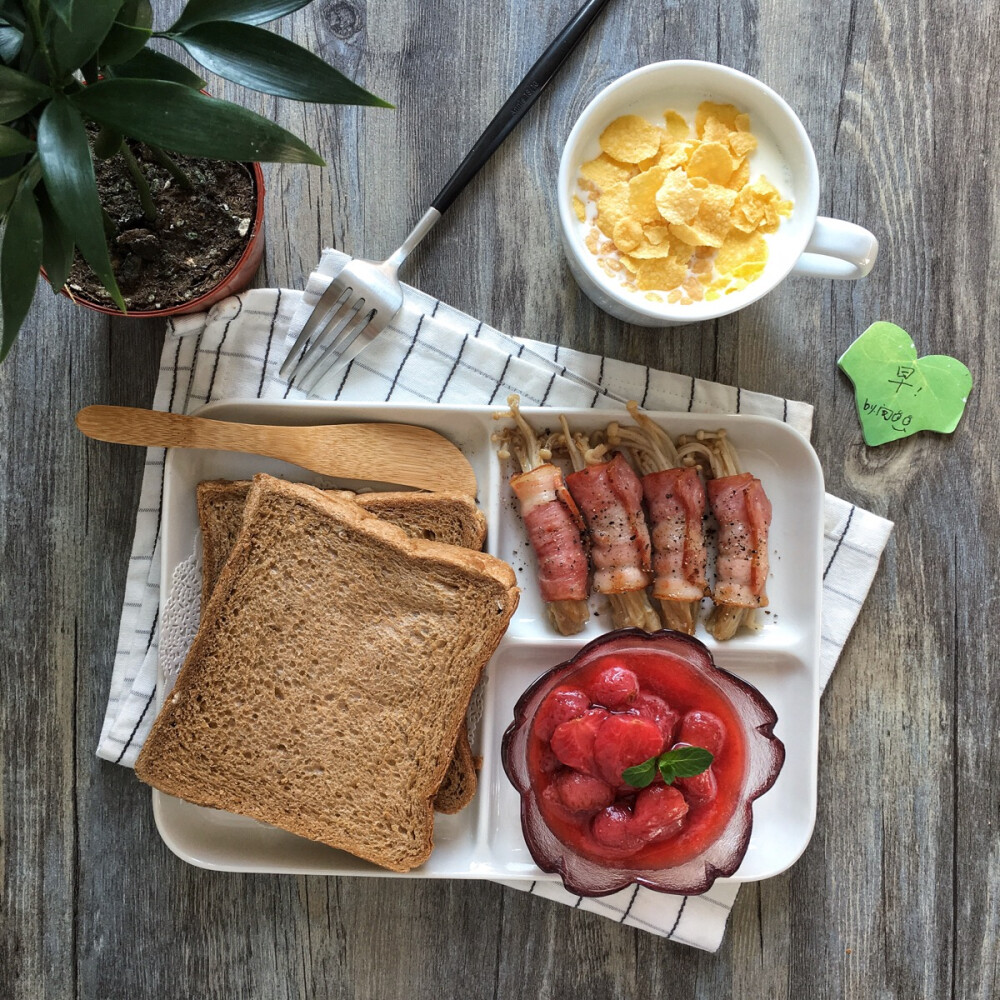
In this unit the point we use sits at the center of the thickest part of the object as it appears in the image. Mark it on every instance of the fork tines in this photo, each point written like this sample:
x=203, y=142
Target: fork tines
x=337, y=320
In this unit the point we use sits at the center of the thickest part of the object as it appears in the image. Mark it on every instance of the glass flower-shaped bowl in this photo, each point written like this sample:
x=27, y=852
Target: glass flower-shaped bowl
x=712, y=838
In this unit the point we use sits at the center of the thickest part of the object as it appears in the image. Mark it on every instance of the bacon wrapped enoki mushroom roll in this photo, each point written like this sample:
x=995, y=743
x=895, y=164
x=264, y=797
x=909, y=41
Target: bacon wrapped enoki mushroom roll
x=675, y=504
x=743, y=513
x=552, y=520
x=609, y=495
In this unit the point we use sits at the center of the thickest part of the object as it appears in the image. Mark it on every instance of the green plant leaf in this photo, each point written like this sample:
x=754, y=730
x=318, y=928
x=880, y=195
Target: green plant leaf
x=640, y=775
x=12, y=142
x=57, y=244
x=73, y=46
x=10, y=43
x=247, y=11
x=174, y=117
x=12, y=13
x=19, y=93
x=683, y=762
x=20, y=258
x=107, y=143
x=152, y=65
x=8, y=188
x=69, y=179
x=129, y=34
x=64, y=8
x=256, y=58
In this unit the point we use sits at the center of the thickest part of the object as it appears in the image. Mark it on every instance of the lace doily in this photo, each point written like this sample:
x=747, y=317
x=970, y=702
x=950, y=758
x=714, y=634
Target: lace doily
x=182, y=614
x=180, y=617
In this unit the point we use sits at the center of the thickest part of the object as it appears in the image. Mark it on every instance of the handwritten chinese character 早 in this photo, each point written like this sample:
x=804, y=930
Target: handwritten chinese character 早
x=902, y=379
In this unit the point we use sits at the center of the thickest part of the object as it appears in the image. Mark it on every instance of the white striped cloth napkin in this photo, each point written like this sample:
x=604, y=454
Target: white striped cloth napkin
x=434, y=353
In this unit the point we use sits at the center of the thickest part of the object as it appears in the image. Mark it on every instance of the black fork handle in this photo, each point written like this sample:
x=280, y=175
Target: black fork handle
x=519, y=102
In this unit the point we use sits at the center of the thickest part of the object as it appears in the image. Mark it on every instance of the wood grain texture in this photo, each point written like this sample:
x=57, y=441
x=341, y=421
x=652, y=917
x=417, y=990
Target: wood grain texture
x=416, y=456
x=896, y=896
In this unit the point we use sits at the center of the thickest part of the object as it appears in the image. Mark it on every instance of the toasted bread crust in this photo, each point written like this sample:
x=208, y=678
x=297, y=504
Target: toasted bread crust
x=372, y=699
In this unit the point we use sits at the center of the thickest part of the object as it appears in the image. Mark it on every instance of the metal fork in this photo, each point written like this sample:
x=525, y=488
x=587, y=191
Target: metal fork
x=363, y=298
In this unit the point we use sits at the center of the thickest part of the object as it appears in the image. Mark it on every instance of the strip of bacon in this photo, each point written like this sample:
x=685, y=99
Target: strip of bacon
x=609, y=495
x=552, y=520
x=744, y=514
x=675, y=502
x=554, y=525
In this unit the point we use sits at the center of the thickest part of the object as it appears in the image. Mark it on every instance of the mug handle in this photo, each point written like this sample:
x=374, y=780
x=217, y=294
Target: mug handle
x=837, y=249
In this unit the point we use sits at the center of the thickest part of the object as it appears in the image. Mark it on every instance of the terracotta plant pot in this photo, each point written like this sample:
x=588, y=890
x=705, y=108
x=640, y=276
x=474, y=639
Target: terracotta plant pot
x=235, y=281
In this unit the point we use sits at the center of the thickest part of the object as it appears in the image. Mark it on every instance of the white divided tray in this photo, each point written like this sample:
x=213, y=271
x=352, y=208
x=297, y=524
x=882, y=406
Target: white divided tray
x=484, y=840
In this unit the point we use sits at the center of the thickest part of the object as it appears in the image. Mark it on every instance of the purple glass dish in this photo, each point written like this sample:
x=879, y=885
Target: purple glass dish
x=764, y=757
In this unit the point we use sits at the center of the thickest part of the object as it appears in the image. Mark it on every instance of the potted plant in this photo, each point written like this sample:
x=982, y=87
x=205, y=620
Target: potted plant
x=83, y=97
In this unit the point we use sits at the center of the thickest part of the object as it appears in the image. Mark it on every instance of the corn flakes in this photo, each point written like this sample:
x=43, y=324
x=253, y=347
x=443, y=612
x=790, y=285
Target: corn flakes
x=627, y=235
x=677, y=125
x=630, y=139
x=676, y=206
x=642, y=190
x=604, y=171
x=677, y=199
x=713, y=161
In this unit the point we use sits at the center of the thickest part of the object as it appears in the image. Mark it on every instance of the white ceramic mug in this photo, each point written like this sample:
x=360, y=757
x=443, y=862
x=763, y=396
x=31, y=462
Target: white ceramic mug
x=805, y=242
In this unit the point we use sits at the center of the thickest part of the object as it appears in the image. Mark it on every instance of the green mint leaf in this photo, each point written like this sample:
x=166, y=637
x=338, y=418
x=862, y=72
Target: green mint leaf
x=667, y=773
x=686, y=762
x=640, y=775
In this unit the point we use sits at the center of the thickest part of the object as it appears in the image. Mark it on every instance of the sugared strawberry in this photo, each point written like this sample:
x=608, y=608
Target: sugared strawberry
x=553, y=802
x=573, y=741
x=582, y=792
x=611, y=828
x=616, y=687
x=653, y=707
x=658, y=813
x=621, y=742
x=702, y=729
x=548, y=762
x=700, y=789
x=560, y=706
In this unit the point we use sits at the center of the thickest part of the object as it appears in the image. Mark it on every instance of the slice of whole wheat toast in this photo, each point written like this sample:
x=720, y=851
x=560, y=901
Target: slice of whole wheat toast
x=445, y=517
x=324, y=691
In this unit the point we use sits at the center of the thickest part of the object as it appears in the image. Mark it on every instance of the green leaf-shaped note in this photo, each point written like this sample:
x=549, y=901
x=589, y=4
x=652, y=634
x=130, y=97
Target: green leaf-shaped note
x=898, y=393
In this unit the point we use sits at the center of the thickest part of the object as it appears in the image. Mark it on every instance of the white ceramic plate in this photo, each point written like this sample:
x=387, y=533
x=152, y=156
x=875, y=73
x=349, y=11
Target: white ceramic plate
x=484, y=840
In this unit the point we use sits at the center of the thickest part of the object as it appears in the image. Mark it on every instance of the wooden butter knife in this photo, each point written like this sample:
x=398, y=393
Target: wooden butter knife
x=402, y=454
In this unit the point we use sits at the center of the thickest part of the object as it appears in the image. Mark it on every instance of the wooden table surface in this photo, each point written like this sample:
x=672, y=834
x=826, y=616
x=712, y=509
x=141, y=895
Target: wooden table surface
x=897, y=893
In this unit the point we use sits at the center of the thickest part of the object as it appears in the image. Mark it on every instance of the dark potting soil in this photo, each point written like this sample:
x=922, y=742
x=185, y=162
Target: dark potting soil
x=194, y=241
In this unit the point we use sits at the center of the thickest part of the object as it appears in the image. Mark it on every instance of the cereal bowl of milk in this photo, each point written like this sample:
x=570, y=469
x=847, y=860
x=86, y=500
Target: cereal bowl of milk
x=688, y=190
